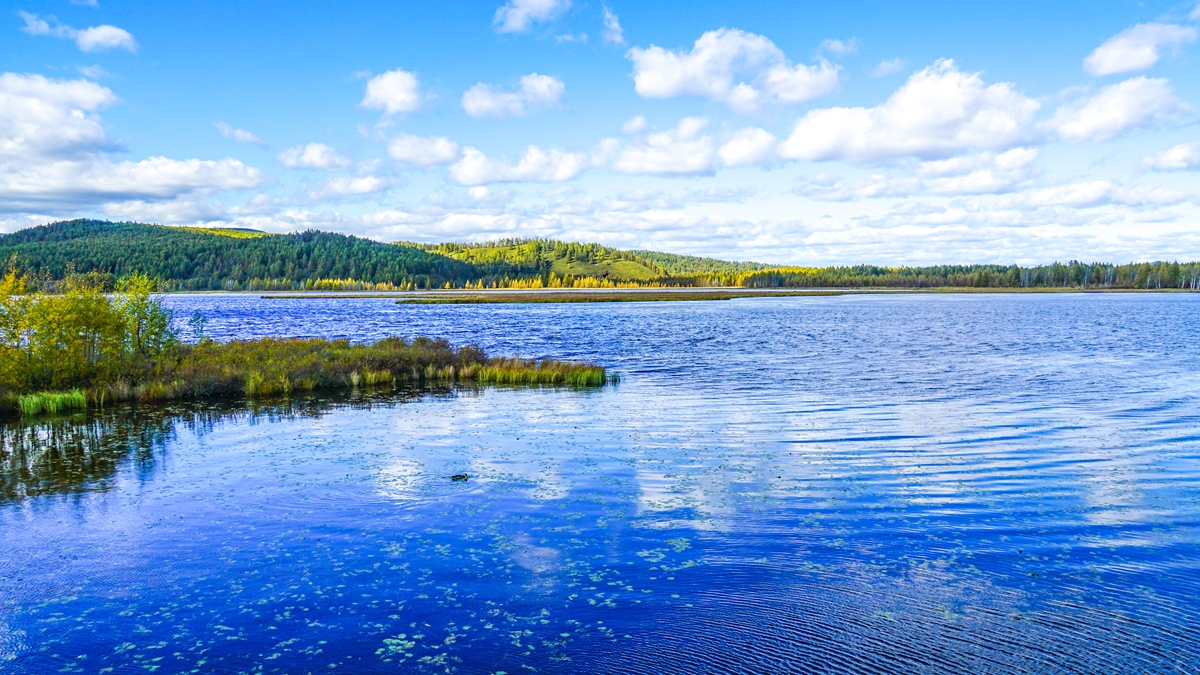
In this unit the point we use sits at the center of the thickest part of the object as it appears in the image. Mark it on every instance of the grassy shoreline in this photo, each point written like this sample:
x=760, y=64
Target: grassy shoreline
x=273, y=367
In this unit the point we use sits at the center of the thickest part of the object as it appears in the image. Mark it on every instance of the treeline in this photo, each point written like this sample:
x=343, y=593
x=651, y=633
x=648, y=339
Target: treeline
x=97, y=253
x=1074, y=274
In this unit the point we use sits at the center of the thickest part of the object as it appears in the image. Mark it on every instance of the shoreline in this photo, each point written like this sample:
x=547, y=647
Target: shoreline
x=556, y=295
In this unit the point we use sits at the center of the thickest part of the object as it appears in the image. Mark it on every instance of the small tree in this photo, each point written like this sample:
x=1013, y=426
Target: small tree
x=147, y=321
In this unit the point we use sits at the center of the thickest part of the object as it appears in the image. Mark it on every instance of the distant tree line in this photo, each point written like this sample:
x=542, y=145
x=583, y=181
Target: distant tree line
x=1074, y=274
x=96, y=253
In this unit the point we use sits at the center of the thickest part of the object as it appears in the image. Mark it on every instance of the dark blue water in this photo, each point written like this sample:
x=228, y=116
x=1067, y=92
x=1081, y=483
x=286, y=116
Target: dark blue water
x=860, y=484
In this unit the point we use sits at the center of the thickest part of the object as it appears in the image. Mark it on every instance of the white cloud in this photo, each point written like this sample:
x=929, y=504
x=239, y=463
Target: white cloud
x=635, y=125
x=95, y=38
x=681, y=151
x=93, y=72
x=1091, y=193
x=345, y=186
x=841, y=47
x=981, y=173
x=1185, y=156
x=43, y=119
x=1136, y=48
x=939, y=111
x=889, y=67
x=714, y=67
x=74, y=184
x=749, y=146
x=613, y=33
x=53, y=151
x=422, y=150
x=518, y=16
x=100, y=38
x=536, y=91
x=1134, y=103
x=239, y=135
x=394, y=92
x=185, y=209
x=312, y=156
x=536, y=166
x=1195, y=15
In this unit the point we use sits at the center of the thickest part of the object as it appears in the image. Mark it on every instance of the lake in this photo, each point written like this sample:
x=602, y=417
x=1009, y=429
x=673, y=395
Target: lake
x=936, y=483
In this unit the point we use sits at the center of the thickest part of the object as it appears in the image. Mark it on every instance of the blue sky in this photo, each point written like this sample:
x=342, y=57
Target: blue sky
x=805, y=133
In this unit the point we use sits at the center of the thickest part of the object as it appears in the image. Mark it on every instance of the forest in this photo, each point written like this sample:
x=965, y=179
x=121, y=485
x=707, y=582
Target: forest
x=187, y=259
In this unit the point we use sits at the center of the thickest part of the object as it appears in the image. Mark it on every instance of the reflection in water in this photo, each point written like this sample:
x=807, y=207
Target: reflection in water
x=77, y=453
x=70, y=455
x=874, y=485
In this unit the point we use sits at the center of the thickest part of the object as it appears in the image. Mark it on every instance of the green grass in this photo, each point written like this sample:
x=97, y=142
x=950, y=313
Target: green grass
x=51, y=402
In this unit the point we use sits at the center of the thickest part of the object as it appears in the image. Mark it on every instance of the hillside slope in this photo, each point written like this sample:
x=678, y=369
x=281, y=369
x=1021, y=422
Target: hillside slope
x=524, y=257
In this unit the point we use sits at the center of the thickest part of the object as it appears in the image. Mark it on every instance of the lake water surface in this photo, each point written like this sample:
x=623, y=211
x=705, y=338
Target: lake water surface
x=858, y=484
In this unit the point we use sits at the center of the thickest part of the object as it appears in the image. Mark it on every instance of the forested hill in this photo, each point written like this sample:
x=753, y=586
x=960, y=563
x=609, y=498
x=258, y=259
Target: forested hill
x=198, y=259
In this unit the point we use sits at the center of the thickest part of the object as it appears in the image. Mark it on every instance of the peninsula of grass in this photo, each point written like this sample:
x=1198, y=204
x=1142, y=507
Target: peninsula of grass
x=274, y=367
x=82, y=347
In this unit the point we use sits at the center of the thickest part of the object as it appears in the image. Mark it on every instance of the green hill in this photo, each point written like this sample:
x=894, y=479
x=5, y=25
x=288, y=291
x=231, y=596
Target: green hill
x=198, y=259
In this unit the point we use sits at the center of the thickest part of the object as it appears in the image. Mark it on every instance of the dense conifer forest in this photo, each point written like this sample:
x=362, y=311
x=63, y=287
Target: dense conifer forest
x=229, y=259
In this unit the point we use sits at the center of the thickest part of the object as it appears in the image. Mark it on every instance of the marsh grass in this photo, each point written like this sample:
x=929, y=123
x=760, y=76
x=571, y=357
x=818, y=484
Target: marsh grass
x=280, y=367
x=52, y=402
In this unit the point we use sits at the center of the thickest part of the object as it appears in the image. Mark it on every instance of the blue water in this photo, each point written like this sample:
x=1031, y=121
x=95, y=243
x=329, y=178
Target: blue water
x=856, y=484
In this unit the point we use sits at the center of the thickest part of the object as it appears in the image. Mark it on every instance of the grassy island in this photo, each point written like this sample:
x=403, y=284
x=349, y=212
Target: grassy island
x=84, y=347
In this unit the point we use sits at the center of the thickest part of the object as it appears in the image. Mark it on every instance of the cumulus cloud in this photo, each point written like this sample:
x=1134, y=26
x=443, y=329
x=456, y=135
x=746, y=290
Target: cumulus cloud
x=1134, y=103
x=518, y=16
x=535, y=91
x=1182, y=157
x=239, y=135
x=742, y=70
x=53, y=153
x=394, y=92
x=312, y=156
x=749, y=146
x=60, y=185
x=613, y=33
x=93, y=39
x=422, y=151
x=938, y=112
x=888, y=67
x=1137, y=48
x=682, y=151
x=536, y=166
